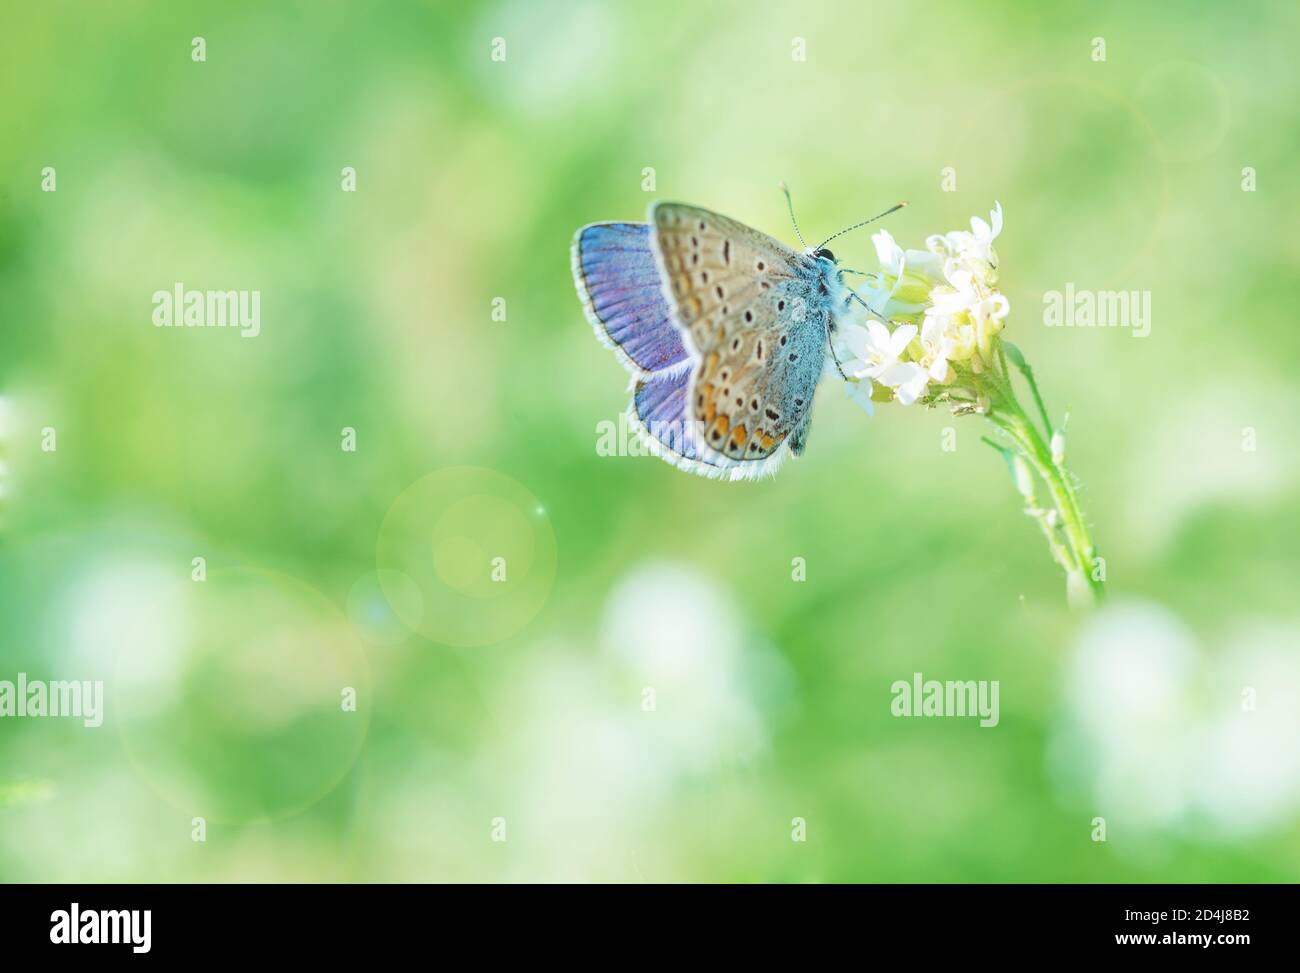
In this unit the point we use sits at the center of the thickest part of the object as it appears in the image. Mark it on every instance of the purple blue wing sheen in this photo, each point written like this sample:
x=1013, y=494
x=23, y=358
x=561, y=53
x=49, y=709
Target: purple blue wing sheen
x=660, y=415
x=617, y=279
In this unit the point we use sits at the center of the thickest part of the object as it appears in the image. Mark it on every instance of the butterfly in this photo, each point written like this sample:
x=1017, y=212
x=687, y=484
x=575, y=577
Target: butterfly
x=726, y=332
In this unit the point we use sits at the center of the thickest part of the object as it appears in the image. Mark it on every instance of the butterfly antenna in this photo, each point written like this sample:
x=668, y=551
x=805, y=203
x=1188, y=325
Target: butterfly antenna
x=790, y=205
x=893, y=209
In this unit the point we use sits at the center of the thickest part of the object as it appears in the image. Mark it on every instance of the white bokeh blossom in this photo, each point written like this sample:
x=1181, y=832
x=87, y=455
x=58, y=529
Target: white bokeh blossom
x=1171, y=737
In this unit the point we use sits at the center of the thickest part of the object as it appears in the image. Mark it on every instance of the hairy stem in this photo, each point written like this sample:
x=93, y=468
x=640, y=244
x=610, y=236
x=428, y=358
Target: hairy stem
x=1067, y=532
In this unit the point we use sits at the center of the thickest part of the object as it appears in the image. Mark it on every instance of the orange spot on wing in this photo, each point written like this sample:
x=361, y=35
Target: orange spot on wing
x=710, y=407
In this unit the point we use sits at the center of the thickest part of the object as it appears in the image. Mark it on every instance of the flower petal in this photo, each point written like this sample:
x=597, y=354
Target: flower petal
x=900, y=373
x=900, y=339
x=860, y=392
x=879, y=340
x=887, y=251
x=909, y=392
x=855, y=338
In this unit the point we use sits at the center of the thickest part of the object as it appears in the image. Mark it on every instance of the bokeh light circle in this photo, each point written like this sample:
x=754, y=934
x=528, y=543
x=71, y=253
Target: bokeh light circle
x=479, y=549
x=239, y=714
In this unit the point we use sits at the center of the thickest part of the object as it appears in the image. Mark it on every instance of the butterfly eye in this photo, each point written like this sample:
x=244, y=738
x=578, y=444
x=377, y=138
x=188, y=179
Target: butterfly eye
x=824, y=254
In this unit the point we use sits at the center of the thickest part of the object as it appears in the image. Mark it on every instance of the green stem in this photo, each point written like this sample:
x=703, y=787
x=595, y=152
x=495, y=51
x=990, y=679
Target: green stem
x=1033, y=387
x=1073, y=548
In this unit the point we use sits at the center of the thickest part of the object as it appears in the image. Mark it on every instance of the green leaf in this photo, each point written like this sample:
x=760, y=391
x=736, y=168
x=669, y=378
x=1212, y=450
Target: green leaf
x=1014, y=354
x=1008, y=457
x=998, y=446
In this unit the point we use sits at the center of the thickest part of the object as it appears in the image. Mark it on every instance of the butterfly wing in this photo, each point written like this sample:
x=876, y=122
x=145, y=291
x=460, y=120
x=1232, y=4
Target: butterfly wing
x=618, y=282
x=659, y=412
x=753, y=313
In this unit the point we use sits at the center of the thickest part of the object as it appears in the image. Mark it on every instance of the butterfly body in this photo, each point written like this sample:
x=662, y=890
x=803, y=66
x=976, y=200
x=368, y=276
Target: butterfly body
x=725, y=329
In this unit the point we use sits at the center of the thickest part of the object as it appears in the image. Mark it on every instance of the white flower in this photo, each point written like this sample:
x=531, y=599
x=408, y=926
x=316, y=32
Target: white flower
x=906, y=277
x=874, y=348
x=907, y=379
x=985, y=234
x=896, y=261
x=950, y=291
x=972, y=251
x=969, y=312
x=875, y=352
x=937, y=346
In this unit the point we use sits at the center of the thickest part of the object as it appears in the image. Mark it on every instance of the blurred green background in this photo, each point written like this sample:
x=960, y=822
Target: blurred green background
x=648, y=695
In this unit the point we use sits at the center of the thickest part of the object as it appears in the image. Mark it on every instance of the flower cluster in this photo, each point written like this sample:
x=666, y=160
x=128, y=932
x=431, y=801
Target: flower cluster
x=929, y=331
x=934, y=316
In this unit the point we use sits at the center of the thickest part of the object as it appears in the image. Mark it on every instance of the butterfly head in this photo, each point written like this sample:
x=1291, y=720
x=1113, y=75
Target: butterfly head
x=823, y=254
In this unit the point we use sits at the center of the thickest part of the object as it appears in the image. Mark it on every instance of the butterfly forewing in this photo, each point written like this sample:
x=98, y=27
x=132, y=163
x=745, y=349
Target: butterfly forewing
x=751, y=310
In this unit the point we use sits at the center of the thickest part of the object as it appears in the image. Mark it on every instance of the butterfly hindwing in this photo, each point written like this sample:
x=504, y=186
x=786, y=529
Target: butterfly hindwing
x=754, y=313
x=659, y=411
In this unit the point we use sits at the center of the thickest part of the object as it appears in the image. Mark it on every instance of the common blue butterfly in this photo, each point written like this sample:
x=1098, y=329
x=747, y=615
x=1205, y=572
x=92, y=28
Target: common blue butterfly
x=725, y=330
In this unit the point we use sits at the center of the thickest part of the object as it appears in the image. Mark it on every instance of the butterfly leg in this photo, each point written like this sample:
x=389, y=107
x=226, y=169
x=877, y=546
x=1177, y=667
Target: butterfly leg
x=830, y=325
x=853, y=296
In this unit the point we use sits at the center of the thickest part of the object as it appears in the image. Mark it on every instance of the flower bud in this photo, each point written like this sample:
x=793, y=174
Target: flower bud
x=1024, y=477
x=1058, y=448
